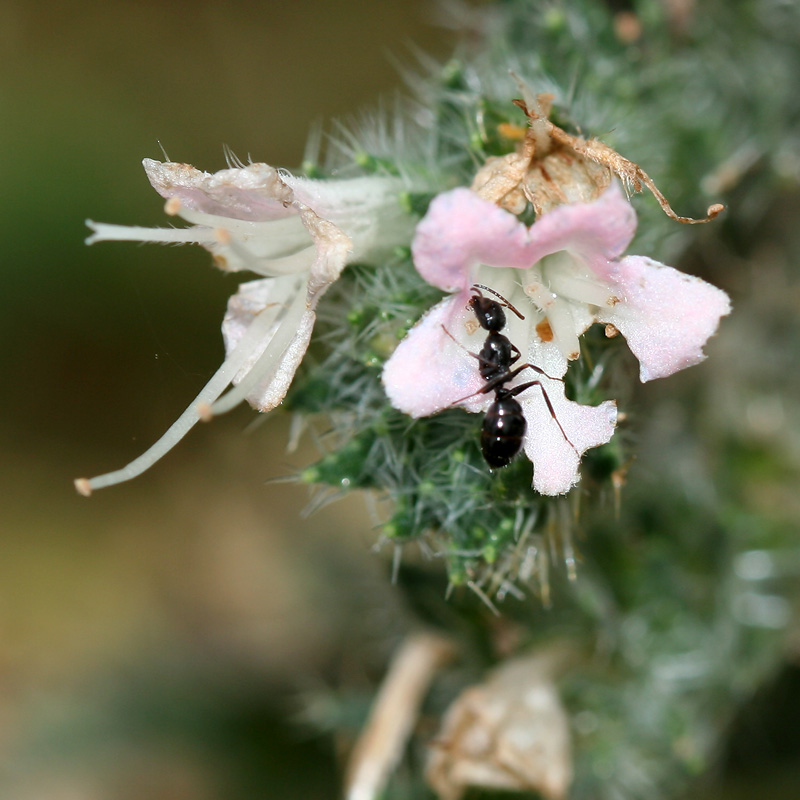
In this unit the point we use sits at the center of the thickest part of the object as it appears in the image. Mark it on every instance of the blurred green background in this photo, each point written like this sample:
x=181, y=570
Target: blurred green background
x=152, y=638
x=155, y=638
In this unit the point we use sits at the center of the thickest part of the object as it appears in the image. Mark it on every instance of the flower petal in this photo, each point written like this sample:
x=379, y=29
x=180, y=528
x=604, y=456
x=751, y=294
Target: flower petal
x=333, y=251
x=267, y=297
x=366, y=209
x=255, y=193
x=428, y=371
x=462, y=230
x=270, y=369
x=666, y=316
x=272, y=388
x=596, y=232
x=555, y=460
x=268, y=372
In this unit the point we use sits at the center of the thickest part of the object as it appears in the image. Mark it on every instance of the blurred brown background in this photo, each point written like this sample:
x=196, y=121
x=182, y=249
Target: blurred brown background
x=152, y=637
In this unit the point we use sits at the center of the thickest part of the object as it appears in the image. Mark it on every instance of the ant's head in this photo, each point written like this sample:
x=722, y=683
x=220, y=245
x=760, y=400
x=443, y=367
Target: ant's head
x=489, y=313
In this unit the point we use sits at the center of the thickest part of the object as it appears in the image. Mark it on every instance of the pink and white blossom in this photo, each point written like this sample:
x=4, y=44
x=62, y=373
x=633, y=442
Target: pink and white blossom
x=297, y=233
x=564, y=273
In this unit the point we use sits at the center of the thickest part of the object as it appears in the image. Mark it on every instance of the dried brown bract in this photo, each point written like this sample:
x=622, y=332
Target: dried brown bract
x=510, y=733
x=394, y=714
x=552, y=167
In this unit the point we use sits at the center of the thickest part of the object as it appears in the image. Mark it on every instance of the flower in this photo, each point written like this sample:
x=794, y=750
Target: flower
x=297, y=232
x=563, y=273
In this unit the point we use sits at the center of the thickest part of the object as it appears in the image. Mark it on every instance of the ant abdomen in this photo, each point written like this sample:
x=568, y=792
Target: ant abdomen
x=503, y=431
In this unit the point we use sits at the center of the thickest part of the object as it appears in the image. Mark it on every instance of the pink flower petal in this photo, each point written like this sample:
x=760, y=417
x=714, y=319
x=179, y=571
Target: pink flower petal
x=666, y=316
x=255, y=193
x=462, y=230
x=555, y=461
x=428, y=371
x=596, y=232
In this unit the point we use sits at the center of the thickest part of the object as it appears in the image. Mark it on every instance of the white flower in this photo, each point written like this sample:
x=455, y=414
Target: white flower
x=564, y=273
x=299, y=234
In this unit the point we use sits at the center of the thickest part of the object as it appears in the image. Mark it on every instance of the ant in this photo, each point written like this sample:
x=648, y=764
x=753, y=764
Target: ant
x=504, y=425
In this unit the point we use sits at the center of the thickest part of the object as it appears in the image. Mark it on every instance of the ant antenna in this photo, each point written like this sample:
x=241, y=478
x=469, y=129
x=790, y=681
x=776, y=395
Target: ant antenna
x=497, y=294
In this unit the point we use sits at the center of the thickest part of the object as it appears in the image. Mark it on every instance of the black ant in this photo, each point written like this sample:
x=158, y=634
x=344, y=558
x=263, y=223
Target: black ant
x=504, y=424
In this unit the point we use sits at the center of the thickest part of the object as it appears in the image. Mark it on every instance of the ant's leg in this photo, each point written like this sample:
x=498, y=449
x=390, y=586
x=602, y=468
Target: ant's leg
x=505, y=377
x=509, y=375
x=485, y=389
x=536, y=369
x=522, y=387
x=483, y=362
x=478, y=286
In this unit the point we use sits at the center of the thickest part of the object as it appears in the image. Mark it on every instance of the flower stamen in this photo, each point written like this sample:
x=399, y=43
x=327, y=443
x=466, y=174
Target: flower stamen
x=540, y=296
x=193, y=414
x=581, y=290
x=562, y=325
x=544, y=331
x=107, y=232
x=298, y=234
x=173, y=206
x=269, y=354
